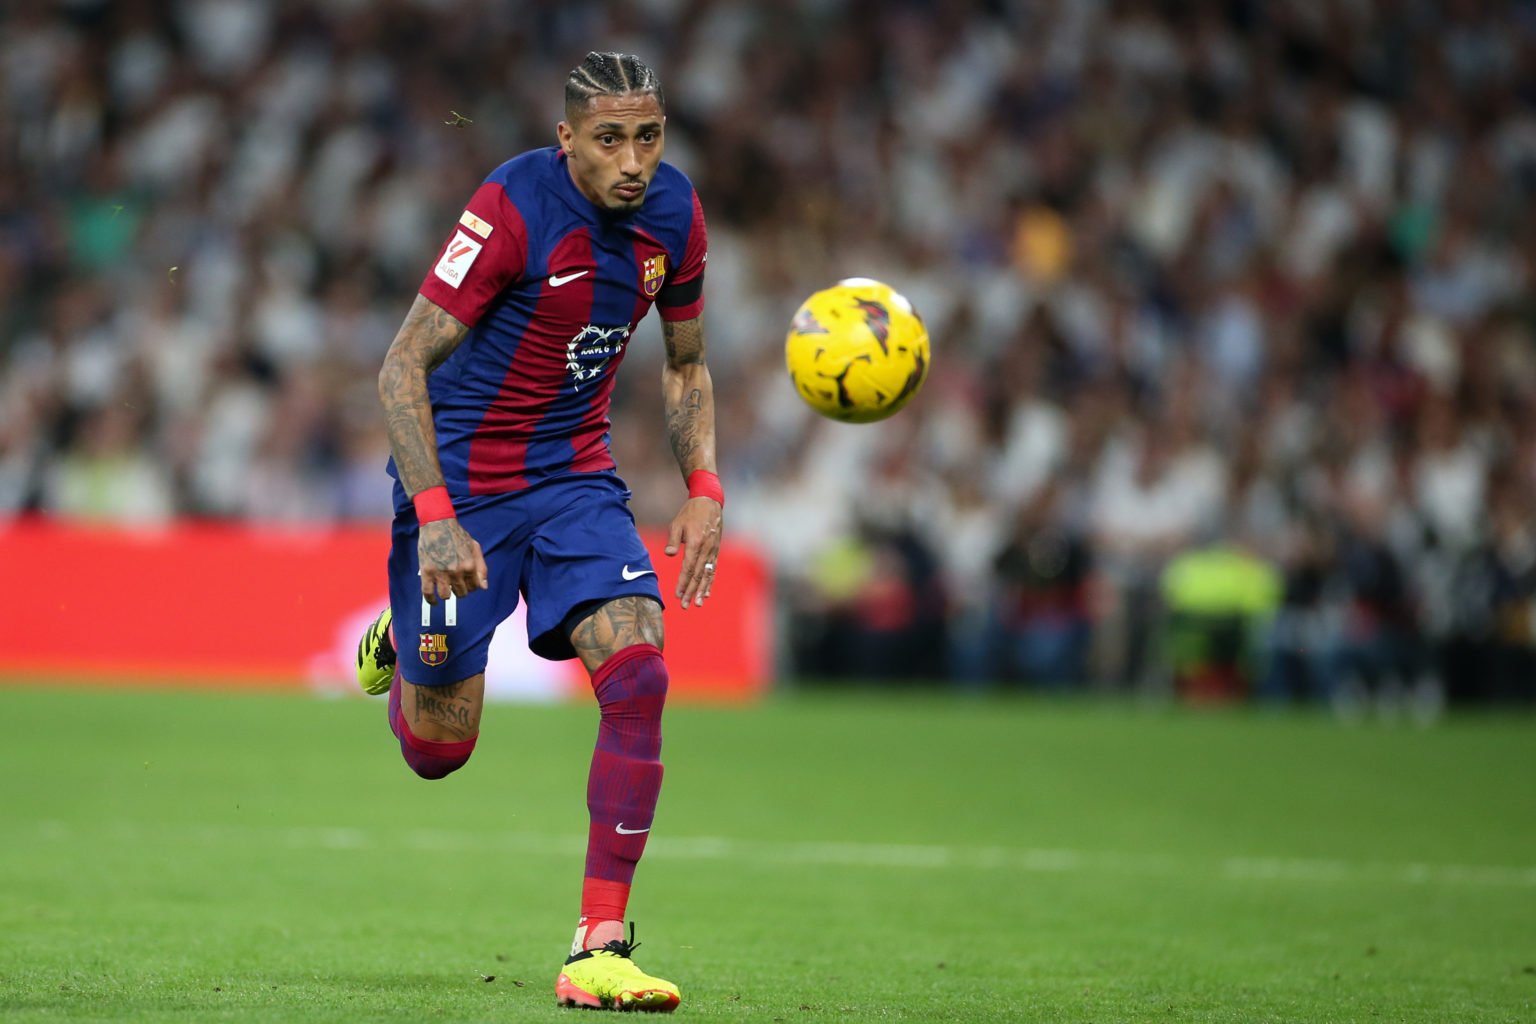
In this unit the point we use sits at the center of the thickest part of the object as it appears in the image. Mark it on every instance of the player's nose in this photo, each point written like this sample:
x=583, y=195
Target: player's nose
x=629, y=161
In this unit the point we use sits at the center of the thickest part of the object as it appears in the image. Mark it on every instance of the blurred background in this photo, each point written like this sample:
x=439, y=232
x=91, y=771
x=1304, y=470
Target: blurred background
x=1234, y=381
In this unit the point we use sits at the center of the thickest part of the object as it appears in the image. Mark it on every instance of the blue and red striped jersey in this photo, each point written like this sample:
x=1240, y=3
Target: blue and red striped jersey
x=551, y=288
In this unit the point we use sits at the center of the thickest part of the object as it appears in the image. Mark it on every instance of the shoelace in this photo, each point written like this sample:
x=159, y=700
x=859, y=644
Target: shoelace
x=621, y=948
x=387, y=654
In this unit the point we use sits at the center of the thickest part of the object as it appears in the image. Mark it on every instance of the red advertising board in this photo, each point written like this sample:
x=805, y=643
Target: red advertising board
x=221, y=605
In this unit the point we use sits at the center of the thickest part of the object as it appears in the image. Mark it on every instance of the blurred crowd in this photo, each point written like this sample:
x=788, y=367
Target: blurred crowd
x=1233, y=305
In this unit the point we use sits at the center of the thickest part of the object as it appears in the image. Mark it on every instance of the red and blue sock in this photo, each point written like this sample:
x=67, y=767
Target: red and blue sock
x=625, y=779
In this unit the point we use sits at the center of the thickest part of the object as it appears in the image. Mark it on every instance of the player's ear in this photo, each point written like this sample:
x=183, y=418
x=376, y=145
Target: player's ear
x=564, y=134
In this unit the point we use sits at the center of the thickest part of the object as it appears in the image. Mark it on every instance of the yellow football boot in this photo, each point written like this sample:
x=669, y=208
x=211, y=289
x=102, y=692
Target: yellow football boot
x=607, y=979
x=376, y=656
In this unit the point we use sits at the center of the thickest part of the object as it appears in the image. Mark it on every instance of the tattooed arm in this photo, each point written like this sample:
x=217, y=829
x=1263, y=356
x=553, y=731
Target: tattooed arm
x=688, y=396
x=451, y=560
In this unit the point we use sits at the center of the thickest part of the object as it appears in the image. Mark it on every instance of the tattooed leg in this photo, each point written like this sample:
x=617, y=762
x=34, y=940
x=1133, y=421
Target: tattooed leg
x=444, y=714
x=622, y=622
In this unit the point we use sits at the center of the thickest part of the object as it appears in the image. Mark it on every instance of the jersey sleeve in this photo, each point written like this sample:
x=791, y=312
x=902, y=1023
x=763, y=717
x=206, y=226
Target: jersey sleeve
x=486, y=251
x=682, y=297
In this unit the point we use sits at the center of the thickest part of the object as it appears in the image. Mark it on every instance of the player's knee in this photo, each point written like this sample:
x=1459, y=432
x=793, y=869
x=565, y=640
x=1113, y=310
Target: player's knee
x=650, y=677
x=634, y=675
x=631, y=689
x=438, y=725
x=433, y=768
x=433, y=760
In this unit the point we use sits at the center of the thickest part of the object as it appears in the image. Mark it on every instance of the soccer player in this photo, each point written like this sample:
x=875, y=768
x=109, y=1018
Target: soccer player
x=497, y=392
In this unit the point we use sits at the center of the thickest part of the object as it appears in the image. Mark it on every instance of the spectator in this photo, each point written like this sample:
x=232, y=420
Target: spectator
x=1043, y=612
x=1158, y=247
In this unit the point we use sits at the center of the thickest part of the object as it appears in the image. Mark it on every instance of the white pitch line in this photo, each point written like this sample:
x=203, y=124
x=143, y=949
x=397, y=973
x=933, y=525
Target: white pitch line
x=899, y=856
x=1288, y=870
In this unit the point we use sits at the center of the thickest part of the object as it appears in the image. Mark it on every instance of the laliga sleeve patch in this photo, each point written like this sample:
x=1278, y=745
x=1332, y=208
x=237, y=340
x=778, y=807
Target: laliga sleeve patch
x=457, y=259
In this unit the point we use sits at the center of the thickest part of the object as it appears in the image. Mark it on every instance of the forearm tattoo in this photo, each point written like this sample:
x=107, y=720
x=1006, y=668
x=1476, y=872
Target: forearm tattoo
x=622, y=622
x=683, y=428
x=688, y=395
x=426, y=338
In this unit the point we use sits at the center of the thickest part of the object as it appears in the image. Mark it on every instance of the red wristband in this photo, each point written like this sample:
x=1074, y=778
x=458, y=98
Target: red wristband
x=432, y=504
x=704, y=484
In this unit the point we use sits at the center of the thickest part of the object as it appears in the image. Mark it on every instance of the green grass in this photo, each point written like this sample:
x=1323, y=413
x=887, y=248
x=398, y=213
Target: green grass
x=862, y=856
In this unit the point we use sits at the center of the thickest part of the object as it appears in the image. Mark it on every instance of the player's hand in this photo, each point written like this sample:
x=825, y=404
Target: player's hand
x=451, y=561
x=697, y=531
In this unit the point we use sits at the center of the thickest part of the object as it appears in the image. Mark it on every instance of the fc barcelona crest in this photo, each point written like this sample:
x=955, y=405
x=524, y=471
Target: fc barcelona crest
x=434, y=648
x=655, y=271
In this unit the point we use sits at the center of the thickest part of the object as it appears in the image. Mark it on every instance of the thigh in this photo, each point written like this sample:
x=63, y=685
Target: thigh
x=584, y=554
x=446, y=643
x=445, y=713
x=620, y=623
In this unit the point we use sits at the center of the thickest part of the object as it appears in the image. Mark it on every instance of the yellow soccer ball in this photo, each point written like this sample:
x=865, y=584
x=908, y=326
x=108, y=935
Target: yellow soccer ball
x=857, y=351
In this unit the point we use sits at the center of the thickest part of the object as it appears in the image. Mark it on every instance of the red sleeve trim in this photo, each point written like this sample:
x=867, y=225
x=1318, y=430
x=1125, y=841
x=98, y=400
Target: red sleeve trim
x=677, y=314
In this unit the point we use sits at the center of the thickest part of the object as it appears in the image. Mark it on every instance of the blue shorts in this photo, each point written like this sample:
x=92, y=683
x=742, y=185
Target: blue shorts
x=564, y=545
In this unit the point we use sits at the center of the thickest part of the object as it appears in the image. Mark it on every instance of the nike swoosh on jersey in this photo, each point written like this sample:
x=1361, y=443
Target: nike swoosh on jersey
x=635, y=575
x=556, y=280
x=621, y=830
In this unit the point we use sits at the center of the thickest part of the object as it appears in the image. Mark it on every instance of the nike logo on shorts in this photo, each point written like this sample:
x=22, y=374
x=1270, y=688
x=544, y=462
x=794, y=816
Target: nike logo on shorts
x=635, y=575
x=621, y=830
x=556, y=280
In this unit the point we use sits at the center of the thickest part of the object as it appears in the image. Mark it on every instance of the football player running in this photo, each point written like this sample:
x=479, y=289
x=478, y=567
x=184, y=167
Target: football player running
x=496, y=391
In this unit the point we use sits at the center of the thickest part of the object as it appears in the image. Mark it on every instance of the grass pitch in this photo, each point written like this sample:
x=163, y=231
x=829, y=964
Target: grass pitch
x=866, y=856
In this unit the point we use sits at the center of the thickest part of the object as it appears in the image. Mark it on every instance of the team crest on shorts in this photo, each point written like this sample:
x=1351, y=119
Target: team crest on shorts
x=655, y=271
x=434, y=648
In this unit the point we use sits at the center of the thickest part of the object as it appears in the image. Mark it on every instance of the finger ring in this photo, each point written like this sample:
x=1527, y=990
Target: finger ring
x=709, y=566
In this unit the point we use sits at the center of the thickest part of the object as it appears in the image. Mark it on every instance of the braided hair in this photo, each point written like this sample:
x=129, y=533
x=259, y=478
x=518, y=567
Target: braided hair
x=608, y=74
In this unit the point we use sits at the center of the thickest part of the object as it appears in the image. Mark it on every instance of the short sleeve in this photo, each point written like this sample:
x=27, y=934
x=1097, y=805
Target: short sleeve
x=682, y=297
x=485, y=252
